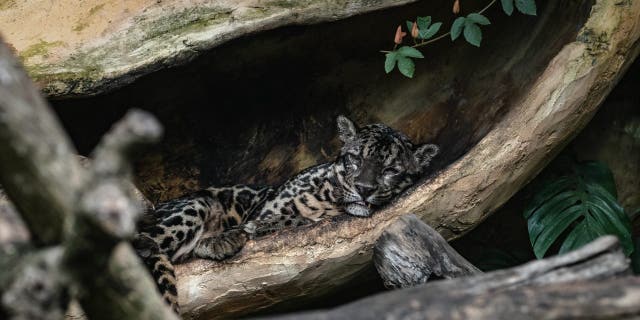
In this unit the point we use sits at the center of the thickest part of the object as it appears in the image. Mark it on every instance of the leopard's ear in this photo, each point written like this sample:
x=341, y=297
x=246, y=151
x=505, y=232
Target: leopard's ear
x=346, y=129
x=424, y=153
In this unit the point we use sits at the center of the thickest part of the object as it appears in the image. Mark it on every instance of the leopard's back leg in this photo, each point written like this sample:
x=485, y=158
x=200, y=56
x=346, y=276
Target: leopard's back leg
x=205, y=224
x=222, y=246
x=239, y=204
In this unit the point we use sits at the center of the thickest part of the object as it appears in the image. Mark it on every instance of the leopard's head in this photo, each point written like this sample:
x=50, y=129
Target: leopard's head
x=377, y=163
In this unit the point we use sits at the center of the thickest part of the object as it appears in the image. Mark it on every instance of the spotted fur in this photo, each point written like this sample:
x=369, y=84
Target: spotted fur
x=376, y=163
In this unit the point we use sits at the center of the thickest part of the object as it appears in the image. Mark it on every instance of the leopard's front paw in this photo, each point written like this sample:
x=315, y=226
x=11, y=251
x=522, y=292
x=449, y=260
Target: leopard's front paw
x=250, y=228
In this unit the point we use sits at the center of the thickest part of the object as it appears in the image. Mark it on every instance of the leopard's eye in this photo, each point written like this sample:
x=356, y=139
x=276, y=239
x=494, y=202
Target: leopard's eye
x=352, y=160
x=390, y=172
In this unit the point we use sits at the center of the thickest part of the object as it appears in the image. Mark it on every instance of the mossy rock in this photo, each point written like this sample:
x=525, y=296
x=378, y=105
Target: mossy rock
x=81, y=48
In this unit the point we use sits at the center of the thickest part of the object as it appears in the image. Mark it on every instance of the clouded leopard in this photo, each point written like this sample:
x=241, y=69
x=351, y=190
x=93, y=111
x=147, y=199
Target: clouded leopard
x=375, y=164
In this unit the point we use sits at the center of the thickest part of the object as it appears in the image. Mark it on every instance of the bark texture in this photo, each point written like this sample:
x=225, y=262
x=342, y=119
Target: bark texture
x=87, y=212
x=590, y=283
x=410, y=252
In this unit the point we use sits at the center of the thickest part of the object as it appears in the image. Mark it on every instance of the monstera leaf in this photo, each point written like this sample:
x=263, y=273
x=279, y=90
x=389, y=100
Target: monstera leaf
x=491, y=259
x=582, y=206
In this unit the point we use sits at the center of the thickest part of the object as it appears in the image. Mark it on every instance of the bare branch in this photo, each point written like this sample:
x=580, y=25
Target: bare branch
x=97, y=207
x=118, y=286
x=38, y=168
x=112, y=157
x=34, y=287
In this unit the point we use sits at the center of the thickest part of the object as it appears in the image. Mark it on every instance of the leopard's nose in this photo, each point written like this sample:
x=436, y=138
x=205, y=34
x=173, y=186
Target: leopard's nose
x=364, y=189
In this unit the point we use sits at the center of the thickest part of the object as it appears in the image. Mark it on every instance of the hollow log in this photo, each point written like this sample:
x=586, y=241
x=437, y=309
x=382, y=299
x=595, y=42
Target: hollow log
x=499, y=112
x=410, y=252
x=537, y=123
x=593, y=282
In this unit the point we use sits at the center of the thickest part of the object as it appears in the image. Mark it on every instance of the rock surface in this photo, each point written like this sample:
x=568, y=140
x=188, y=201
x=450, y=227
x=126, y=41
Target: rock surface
x=79, y=48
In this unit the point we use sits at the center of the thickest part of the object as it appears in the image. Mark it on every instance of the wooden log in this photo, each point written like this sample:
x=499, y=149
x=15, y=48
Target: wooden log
x=614, y=299
x=410, y=252
x=590, y=283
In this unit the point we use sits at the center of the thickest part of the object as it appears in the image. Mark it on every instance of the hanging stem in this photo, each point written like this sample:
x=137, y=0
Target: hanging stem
x=444, y=35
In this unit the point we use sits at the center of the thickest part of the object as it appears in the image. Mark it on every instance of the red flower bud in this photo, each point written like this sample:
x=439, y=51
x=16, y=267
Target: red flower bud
x=414, y=30
x=399, y=35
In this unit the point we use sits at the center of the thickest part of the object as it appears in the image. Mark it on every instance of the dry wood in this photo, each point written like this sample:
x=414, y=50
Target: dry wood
x=589, y=283
x=97, y=208
x=33, y=286
x=410, y=252
x=112, y=284
x=614, y=299
x=34, y=150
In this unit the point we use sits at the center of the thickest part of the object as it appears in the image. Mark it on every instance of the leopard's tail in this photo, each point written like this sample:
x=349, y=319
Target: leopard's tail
x=161, y=269
x=163, y=273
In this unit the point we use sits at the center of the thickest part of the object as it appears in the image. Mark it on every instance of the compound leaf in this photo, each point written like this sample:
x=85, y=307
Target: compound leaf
x=507, y=6
x=406, y=66
x=407, y=51
x=390, y=61
x=456, y=28
x=472, y=33
x=527, y=7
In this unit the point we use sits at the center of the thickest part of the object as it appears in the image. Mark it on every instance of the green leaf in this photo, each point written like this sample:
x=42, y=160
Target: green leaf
x=580, y=205
x=489, y=259
x=406, y=66
x=599, y=173
x=478, y=19
x=431, y=31
x=553, y=228
x=423, y=22
x=558, y=203
x=409, y=25
x=552, y=188
x=407, y=51
x=456, y=28
x=472, y=33
x=507, y=6
x=390, y=61
x=526, y=6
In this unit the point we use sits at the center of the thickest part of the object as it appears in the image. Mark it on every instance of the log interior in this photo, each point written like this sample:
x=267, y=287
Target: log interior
x=259, y=108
